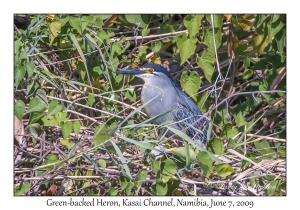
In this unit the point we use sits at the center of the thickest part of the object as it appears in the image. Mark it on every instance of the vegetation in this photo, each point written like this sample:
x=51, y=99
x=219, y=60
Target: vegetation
x=80, y=129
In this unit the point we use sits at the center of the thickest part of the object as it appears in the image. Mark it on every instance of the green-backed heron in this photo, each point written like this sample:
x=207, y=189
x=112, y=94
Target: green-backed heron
x=167, y=96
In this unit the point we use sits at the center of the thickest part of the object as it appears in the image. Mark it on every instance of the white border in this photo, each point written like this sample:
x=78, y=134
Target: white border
x=153, y=6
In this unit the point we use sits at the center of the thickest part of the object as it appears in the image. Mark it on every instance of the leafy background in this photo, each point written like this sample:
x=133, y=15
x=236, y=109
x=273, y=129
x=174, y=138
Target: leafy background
x=80, y=129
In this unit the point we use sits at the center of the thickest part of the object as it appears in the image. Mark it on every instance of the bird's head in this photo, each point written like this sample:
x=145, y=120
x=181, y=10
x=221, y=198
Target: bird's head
x=147, y=72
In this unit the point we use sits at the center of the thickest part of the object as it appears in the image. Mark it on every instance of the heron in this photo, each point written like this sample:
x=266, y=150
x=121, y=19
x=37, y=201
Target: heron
x=160, y=94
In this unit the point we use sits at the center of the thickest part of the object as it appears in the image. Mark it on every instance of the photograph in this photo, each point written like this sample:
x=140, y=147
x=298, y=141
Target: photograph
x=160, y=105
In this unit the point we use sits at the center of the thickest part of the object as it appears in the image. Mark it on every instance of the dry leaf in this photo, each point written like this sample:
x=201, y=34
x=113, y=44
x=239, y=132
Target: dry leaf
x=52, y=190
x=227, y=17
x=18, y=130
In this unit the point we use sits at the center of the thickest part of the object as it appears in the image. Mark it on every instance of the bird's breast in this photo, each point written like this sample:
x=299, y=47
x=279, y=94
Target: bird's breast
x=158, y=101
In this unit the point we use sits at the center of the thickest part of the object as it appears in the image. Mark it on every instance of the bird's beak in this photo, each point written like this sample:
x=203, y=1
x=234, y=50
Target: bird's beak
x=136, y=71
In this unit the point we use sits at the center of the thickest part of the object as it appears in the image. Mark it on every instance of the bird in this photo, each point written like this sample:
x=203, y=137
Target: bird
x=160, y=94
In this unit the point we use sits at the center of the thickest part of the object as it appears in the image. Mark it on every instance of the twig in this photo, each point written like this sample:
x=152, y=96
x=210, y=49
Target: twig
x=266, y=137
x=149, y=37
x=84, y=116
x=88, y=107
x=247, y=93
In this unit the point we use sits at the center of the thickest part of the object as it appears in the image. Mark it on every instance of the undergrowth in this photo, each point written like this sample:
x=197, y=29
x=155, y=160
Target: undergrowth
x=80, y=129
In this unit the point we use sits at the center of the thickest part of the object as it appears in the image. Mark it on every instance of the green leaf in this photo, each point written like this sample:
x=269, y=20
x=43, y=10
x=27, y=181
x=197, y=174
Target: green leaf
x=51, y=159
x=182, y=153
x=231, y=143
x=42, y=95
x=282, y=152
x=86, y=184
x=224, y=170
x=240, y=120
x=18, y=44
x=101, y=163
x=54, y=108
x=259, y=42
x=75, y=23
x=192, y=23
x=241, y=50
x=145, y=31
x=156, y=168
x=35, y=105
x=98, y=70
x=247, y=74
x=100, y=134
x=50, y=121
x=102, y=36
x=209, y=37
x=19, y=109
x=36, y=116
x=67, y=143
x=72, y=36
x=276, y=26
x=91, y=193
x=246, y=62
x=91, y=99
x=142, y=51
x=19, y=74
x=66, y=128
x=165, y=28
x=206, y=62
x=205, y=163
x=76, y=127
x=29, y=68
x=156, y=46
x=86, y=20
x=99, y=21
x=280, y=40
x=244, y=22
x=229, y=131
x=264, y=87
x=33, y=129
x=190, y=83
x=168, y=169
x=265, y=148
x=32, y=88
x=142, y=174
x=274, y=186
x=113, y=192
x=54, y=28
x=218, y=20
x=23, y=188
x=161, y=188
x=129, y=188
x=63, y=20
x=137, y=19
x=124, y=181
x=216, y=146
x=61, y=117
x=201, y=101
x=122, y=160
x=192, y=142
x=186, y=46
x=131, y=95
x=138, y=143
x=23, y=55
x=251, y=157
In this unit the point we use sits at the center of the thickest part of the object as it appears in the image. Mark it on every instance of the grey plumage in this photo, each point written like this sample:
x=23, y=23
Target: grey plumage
x=167, y=96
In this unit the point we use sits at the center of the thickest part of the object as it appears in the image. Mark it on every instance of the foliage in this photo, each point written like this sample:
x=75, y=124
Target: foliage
x=86, y=123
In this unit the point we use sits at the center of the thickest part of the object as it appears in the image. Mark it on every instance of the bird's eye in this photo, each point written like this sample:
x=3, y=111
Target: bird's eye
x=148, y=70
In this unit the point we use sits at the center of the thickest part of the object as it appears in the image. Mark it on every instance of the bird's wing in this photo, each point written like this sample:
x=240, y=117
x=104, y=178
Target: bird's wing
x=188, y=120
